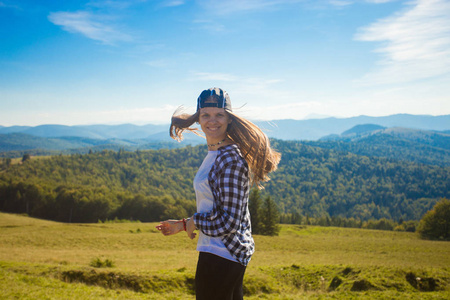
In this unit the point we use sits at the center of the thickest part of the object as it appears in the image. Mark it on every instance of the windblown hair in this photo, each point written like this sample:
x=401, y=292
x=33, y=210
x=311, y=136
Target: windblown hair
x=252, y=141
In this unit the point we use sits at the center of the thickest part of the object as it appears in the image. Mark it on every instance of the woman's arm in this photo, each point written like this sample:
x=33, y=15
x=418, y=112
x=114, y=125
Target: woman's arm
x=171, y=227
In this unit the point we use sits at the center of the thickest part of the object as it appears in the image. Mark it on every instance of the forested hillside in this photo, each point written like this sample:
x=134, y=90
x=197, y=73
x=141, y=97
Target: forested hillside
x=84, y=188
x=157, y=184
x=15, y=145
x=318, y=182
x=419, y=146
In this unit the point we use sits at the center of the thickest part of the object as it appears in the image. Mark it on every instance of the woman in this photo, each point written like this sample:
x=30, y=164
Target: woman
x=239, y=155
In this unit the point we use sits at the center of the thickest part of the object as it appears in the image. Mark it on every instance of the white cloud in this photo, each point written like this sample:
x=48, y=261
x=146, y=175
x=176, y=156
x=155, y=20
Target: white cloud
x=209, y=25
x=247, y=81
x=380, y=1
x=6, y=5
x=340, y=2
x=296, y=110
x=114, y=4
x=205, y=76
x=171, y=3
x=261, y=89
x=415, y=43
x=160, y=63
x=89, y=25
x=233, y=6
x=258, y=97
x=145, y=115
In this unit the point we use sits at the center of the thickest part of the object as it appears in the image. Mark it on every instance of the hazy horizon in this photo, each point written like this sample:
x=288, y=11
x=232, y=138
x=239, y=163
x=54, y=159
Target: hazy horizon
x=253, y=120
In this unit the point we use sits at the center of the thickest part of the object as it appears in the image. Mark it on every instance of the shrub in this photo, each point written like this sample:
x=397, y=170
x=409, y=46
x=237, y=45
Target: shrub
x=98, y=263
x=382, y=224
x=408, y=226
x=435, y=224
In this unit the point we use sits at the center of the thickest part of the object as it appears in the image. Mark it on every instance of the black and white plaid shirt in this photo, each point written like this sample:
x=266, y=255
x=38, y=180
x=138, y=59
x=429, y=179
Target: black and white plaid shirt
x=230, y=217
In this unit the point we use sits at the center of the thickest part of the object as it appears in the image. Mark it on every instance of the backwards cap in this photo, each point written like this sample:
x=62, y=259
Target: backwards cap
x=222, y=100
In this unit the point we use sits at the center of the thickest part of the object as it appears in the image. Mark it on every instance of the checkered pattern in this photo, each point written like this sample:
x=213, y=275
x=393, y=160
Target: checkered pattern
x=230, y=217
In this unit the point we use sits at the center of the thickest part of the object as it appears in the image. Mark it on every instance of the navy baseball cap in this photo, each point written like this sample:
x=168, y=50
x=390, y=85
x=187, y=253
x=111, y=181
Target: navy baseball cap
x=222, y=100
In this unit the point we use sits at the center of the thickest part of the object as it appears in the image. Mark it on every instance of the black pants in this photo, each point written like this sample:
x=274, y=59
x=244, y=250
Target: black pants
x=218, y=278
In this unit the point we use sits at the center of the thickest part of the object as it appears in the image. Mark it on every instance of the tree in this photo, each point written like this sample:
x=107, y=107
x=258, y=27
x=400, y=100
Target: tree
x=6, y=162
x=254, y=206
x=435, y=224
x=26, y=157
x=270, y=217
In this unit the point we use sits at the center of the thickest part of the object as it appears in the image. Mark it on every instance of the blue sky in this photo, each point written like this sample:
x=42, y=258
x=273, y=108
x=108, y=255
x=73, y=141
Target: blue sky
x=136, y=61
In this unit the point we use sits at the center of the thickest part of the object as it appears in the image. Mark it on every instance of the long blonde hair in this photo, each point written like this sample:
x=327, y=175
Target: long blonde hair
x=252, y=141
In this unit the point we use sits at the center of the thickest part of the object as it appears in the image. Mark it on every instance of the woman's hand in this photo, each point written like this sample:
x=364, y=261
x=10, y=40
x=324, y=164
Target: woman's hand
x=170, y=227
x=190, y=227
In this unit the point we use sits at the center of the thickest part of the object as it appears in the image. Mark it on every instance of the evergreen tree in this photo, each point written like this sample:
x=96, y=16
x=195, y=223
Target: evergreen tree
x=270, y=217
x=254, y=206
x=296, y=216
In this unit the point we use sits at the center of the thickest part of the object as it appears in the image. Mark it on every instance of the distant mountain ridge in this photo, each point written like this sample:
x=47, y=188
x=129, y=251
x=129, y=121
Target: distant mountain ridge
x=362, y=129
x=311, y=129
x=315, y=129
x=440, y=139
x=17, y=144
x=419, y=146
x=123, y=131
x=428, y=133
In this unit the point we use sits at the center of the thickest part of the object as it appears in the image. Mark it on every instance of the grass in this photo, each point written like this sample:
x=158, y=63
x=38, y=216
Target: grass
x=18, y=160
x=43, y=259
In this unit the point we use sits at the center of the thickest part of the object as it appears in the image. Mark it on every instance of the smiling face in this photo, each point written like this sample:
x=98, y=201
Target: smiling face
x=214, y=122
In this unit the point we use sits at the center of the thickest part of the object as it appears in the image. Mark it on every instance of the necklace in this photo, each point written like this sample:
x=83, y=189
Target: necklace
x=216, y=144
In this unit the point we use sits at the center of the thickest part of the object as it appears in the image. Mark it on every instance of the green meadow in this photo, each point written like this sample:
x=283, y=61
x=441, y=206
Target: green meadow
x=49, y=260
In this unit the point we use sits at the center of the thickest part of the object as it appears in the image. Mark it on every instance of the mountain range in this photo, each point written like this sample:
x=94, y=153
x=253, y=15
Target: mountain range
x=312, y=129
x=398, y=143
x=423, y=131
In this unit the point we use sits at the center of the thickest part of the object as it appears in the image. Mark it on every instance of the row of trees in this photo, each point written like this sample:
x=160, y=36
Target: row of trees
x=90, y=205
x=324, y=186
x=87, y=204
x=381, y=224
x=72, y=205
